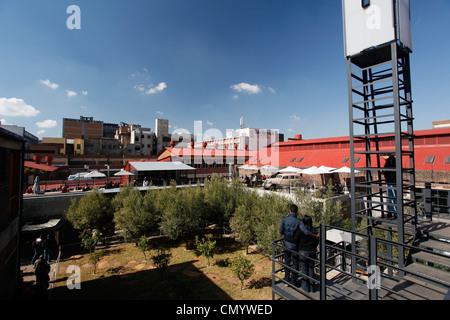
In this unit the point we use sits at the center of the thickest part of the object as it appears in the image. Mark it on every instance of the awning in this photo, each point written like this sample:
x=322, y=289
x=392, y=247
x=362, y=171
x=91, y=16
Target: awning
x=159, y=166
x=51, y=225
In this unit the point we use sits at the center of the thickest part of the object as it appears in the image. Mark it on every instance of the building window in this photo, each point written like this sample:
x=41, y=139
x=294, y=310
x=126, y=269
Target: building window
x=293, y=159
x=300, y=159
x=345, y=160
x=447, y=160
x=430, y=159
x=357, y=159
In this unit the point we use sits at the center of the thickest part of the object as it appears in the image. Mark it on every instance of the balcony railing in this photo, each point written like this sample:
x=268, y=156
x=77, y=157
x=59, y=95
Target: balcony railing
x=364, y=267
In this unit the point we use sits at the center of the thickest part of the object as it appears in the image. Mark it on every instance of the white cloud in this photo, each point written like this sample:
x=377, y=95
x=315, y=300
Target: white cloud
x=83, y=107
x=139, y=87
x=3, y=121
x=159, y=112
x=70, y=93
x=49, y=84
x=85, y=93
x=143, y=73
x=246, y=88
x=46, y=124
x=14, y=107
x=40, y=132
x=271, y=89
x=160, y=87
x=294, y=117
x=209, y=123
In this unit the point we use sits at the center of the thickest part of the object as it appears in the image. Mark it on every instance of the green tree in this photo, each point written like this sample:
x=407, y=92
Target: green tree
x=243, y=269
x=269, y=211
x=89, y=239
x=95, y=257
x=93, y=210
x=144, y=245
x=243, y=223
x=206, y=247
x=221, y=199
x=184, y=214
x=135, y=215
x=323, y=209
x=161, y=261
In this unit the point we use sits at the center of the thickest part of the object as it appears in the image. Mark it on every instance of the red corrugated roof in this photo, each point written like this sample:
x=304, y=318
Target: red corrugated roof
x=39, y=166
x=428, y=143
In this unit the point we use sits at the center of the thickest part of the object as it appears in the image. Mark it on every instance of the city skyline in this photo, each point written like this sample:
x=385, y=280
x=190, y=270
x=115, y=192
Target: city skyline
x=279, y=64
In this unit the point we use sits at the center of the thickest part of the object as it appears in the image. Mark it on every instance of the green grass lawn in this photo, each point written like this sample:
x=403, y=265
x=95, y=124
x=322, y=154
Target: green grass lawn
x=122, y=273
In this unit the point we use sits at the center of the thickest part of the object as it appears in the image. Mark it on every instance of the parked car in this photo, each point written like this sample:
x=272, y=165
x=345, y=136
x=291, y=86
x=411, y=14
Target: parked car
x=282, y=180
x=78, y=176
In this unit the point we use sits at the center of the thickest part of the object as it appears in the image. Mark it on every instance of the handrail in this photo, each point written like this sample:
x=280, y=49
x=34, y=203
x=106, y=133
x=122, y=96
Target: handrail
x=372, y=255
x=54, y=274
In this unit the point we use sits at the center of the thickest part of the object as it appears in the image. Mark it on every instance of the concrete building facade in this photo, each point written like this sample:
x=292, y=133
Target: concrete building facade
x=11, y=176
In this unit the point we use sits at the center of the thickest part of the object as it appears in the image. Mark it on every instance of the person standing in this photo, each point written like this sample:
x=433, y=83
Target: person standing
x=47, y=245
x=289, y=225
x=391, y=181
x=307, y=249
x=287, y=229
x=41, y=271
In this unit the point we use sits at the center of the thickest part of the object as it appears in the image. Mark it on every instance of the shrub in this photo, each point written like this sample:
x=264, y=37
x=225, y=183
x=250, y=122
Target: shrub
x=206, y=247
x=161, y=261
x=243, y=269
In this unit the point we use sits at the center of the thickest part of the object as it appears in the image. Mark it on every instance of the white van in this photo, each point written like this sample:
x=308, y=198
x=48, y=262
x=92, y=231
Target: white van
x=282, y=180
x=78, y=176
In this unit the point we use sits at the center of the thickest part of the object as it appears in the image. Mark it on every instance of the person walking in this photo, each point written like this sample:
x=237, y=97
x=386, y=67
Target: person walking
x=307, y=249
x=37, y=247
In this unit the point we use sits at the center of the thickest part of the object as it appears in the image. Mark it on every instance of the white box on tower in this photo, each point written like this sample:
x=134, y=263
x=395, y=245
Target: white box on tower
x=371, y=23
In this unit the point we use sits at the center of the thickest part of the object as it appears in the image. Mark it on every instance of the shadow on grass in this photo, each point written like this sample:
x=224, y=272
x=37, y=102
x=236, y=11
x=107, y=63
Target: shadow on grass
x=179, y=282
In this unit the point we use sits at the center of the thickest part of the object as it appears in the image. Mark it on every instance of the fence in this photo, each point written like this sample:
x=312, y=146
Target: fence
x=55, y=185
x=359, y=269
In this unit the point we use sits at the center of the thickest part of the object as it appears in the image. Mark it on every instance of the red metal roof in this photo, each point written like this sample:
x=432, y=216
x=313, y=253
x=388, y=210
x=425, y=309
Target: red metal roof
x=332, y=152
x=39, y=166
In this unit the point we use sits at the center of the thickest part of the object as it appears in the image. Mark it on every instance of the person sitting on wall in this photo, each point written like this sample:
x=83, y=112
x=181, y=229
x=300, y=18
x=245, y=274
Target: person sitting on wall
x=64, y=189
x=29, y=190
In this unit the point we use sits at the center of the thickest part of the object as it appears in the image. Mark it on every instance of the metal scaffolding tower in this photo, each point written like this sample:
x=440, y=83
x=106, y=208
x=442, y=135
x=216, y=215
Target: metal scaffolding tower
x=381, y=126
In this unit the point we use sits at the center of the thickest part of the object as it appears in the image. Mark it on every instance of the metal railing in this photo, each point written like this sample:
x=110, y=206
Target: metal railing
x=361, y=263
x=434, y=202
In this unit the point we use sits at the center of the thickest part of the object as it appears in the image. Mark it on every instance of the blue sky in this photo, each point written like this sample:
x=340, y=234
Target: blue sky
x=278, y=63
